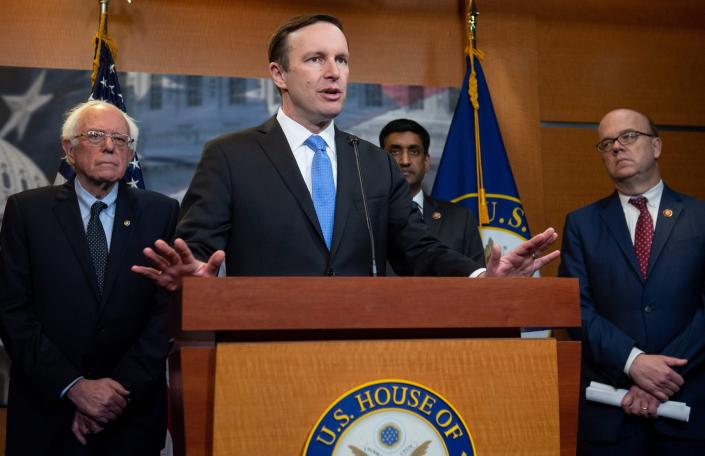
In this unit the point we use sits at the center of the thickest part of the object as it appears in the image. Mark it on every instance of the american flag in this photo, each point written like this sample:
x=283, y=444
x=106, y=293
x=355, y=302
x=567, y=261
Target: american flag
x=105, y=86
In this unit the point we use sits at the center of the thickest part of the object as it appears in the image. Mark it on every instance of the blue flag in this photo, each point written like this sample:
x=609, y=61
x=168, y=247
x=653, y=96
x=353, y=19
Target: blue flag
x=105, y=86
x=480, y=178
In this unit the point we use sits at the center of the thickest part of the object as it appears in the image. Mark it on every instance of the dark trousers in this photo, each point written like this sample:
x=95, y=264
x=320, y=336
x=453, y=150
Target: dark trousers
x=647, y=443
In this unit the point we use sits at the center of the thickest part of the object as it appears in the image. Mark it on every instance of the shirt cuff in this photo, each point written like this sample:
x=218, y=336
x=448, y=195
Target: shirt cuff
x=68, y=387
x=477, y=272
x=630, y=360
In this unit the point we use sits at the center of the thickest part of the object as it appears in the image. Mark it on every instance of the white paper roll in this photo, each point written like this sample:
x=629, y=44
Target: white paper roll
x=605, y=394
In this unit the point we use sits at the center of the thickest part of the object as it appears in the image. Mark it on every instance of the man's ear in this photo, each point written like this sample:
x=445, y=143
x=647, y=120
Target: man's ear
x=68, y=151
x=278, y=75
x=427, y=163
x=656, y=144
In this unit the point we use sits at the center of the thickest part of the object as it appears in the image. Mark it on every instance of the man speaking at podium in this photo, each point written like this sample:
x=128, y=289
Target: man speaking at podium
x=286, y=197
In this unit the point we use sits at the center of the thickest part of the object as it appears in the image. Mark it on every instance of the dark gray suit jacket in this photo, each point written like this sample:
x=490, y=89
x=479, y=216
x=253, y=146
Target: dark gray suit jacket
x=455, y=226
x=248, y=197
x=56, y=328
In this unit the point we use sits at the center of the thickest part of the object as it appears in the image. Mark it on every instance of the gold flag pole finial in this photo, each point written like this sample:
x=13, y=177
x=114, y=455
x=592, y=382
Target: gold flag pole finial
x=104, y=6
x=472, y=22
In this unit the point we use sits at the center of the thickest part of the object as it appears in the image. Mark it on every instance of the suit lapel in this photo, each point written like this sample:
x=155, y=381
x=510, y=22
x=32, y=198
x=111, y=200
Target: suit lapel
x=612, y=215
x=347, y=186
x=275, y=146
x=69, y=217
x=429, y=208
x=126, y=218
x=664, y=225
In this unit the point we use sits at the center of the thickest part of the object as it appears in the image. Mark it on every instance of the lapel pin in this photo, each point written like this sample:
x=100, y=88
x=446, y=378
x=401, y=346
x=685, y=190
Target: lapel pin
x=126, y=223
x=436, y=216
x=667, y=213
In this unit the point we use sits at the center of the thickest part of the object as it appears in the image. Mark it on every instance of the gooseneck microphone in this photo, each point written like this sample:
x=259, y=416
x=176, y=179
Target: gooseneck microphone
x=354, y=141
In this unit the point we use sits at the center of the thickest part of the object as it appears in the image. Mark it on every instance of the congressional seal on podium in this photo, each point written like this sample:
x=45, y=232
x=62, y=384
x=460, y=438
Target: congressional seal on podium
x=390, y=418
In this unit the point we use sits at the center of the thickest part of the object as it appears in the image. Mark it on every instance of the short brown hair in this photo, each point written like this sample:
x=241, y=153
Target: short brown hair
x=278, y=51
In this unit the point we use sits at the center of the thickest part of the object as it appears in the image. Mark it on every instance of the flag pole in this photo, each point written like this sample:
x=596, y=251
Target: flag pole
x=472, y=52
x=100, y=37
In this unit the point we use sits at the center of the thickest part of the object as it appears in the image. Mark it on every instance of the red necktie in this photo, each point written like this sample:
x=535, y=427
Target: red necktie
x=644, y=234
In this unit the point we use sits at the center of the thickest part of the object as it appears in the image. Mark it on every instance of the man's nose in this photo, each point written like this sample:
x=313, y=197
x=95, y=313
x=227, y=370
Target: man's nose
x=109, y=145
x=404, y=158
x=332, y=70
x=617, y=147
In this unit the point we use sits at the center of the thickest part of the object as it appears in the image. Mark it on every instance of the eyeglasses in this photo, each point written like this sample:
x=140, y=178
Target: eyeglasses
x=625, y=139
x=98, y=138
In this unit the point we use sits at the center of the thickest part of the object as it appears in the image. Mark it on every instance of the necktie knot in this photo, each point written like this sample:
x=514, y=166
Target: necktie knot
x=316, y=143
x=97, y=208
x=639, y=202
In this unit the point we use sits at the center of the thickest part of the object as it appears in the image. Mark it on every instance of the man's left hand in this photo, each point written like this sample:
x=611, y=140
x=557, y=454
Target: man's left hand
x=83, y=425
x=638, y=402
x=523, y=260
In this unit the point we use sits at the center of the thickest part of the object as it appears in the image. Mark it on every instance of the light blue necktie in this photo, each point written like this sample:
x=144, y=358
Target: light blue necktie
x=322, y=186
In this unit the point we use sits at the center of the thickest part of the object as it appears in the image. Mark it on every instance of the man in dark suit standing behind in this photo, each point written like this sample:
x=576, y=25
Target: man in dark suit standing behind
x=640, y=258
x=284, y=198
x=454, y=225
x=87, y=337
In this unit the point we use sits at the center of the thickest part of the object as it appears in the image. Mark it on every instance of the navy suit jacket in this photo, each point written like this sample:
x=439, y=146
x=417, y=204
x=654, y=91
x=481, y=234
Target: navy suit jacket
x=248, y=197
x=56, y=328
x=664, y=314
x=455, y=226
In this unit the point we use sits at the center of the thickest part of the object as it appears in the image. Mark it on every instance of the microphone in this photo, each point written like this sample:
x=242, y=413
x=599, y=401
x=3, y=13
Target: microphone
x=354, y=141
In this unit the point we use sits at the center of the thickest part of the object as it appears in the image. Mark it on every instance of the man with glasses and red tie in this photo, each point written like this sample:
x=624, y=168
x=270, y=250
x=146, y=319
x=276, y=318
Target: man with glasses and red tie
x=640, y=258
x=87, y=337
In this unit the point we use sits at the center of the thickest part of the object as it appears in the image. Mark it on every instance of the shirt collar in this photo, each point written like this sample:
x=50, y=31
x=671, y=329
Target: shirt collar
x=418, y=199
x=86, y=199
x=296, y=133
x=652, y=195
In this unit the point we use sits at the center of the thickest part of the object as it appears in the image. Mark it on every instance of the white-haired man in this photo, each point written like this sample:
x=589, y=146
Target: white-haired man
x=87, y=337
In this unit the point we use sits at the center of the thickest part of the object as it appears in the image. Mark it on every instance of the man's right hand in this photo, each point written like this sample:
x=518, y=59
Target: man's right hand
x=172, y=264
x=101, y=400
x=655, y=374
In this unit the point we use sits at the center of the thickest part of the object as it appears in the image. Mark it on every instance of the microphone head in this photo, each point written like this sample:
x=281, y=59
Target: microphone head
x=353, y=140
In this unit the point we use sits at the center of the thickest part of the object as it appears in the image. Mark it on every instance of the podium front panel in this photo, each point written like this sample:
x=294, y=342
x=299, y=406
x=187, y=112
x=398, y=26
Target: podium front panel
x=269, y=396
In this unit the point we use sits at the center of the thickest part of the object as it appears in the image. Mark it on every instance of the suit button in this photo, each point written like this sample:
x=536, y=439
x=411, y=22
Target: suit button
x=647, y=309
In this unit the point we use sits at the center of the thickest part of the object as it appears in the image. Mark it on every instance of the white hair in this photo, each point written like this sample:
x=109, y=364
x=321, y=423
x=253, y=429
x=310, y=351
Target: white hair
x=69, y=128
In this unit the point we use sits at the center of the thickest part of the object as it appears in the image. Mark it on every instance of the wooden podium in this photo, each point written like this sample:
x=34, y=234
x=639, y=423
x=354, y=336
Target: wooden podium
x=260, y=359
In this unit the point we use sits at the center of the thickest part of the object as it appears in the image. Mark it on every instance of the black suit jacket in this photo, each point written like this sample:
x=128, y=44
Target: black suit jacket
x=249, y=198
x=664, y=314
x=55, y=327
x=455, y=226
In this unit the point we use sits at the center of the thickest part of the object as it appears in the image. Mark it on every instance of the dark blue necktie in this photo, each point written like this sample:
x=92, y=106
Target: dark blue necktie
x=322, y=186
x=419, y=211
x=97, y=244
